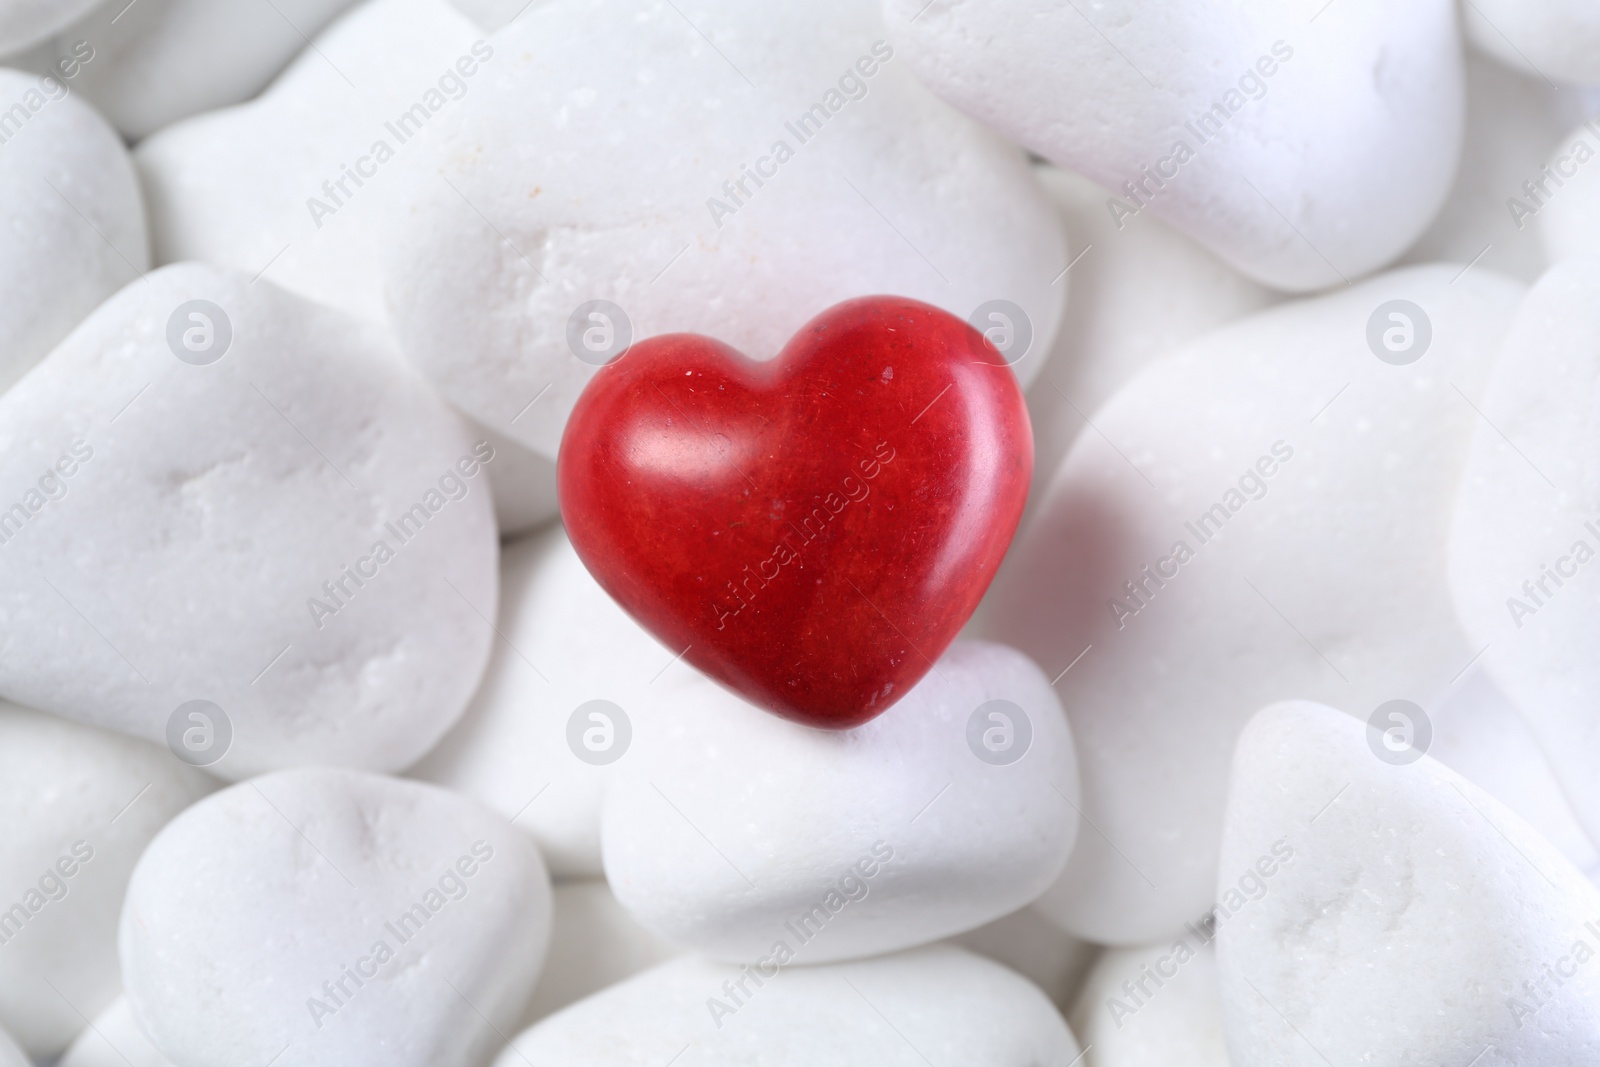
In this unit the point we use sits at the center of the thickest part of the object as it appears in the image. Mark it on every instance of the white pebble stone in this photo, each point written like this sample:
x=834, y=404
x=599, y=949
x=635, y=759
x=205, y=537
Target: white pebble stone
x=1567, y=215
x=1036, y=948
x=524, y=484
x=114, y=1040
x=1525, y=537
x=341, y=915
x=70, y=210
x=939, y=1005
x=592, y=163
x=1333, y=476
x=1138, y=293
x=10, y=1054
x=79, y=805
x=491, y=15
x=565, y=643
x=1417, y=920
x=26, y=23
x=594, y=943
x=1479, y=734
x=173, y=531
x=1153, y=1006
x=1557, y=39
x=158, y=61
x=236, y=186
x=1513, y=123
x=1317, y=144
x=735, y=832
x=244, y=186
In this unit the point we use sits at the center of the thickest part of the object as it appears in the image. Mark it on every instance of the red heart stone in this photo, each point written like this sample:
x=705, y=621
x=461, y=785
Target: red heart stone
x=813, y=531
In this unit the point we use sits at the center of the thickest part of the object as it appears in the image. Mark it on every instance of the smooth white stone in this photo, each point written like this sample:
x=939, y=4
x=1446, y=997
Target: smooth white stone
x=70, y=210
x=185, y=556
x=1558, y=39
x=524, y=484
x=1334, y=150
x=1414, y=922
x=79, y=800
x=1529, y=496
x=565, y=643
x=590, y=166
x=1514, y=121
x=158, y=61
x=731, y=830
x=114, y=1040
x=10, y=1054
x=594, y=943
x=1330, y=583
x=1479, y=734
x=237, y=186
x=1567, y=215
x=937, y=1004
x=247, y=911
x=492, y=15
x=1036, y=948
x=26, y=23
x=1138, y=293
x=1153, y=1006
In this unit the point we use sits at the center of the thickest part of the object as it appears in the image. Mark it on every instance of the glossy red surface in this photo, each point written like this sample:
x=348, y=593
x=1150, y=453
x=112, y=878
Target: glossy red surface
x=814, y=530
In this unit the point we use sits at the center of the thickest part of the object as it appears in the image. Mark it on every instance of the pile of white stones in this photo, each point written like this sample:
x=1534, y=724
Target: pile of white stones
x=1275, y=742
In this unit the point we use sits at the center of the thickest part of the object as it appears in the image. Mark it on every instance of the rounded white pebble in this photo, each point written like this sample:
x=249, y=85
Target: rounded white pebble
x=338, y=913
x=1153, y=1006
x=594, y=943
x=1567, y=215
x=1137, y=294
x=1374, y=912
x=25, y=23
x=524, y=484
x=1310, y=484
x=1527, y=526
x=607, y=156
x=179, y=530
x=159, y=61
x=71, y=213
x=1304, y=154
x=1557, y=39
x=10, y=1054
x=79, y=805
x=114, y=1040
x=267, y=186
x=936, y=1002
x=1479, y=734
x=1514, y=121
x=524, y=746
x=1036, y=948
x=733, y=831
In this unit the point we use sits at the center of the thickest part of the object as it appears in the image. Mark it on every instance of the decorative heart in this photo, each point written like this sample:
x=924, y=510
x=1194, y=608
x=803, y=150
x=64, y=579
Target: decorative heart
x=813, y=531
